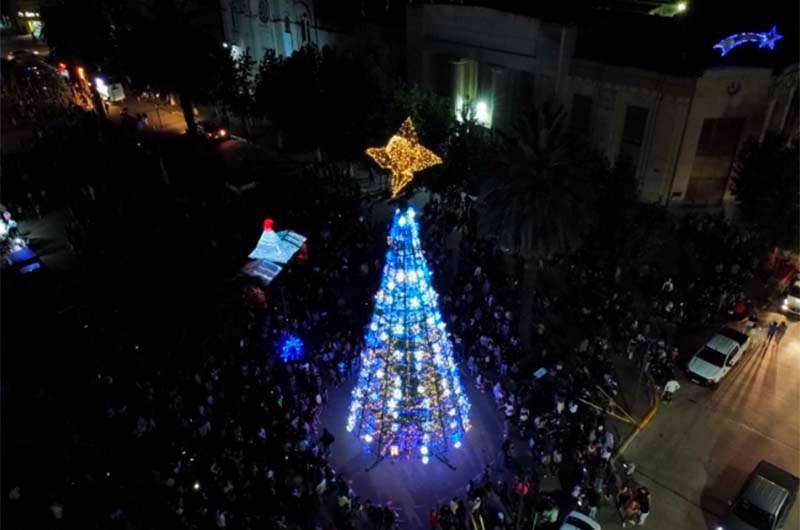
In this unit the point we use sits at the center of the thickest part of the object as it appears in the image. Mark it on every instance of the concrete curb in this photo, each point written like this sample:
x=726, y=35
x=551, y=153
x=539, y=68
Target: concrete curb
x=645, y=421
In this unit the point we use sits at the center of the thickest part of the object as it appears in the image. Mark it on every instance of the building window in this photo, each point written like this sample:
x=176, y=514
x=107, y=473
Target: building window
x=524, y=91
x=465, y=86
x=263, y=11
x=305, y=29
x=288, y=44
x=713, y=160
x=719, y=137
x=580, y=119
x=633, y=134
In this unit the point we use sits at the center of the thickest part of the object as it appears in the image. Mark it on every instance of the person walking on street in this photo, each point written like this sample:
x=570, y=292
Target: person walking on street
x=771, y=332
x=781, y=331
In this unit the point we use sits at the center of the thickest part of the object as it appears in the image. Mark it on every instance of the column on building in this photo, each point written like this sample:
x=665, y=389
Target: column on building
x=458, y=67
x=496, y=96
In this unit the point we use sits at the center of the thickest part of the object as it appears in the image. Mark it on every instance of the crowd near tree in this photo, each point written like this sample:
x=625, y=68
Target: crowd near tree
x=184, y=415
x=222, y=433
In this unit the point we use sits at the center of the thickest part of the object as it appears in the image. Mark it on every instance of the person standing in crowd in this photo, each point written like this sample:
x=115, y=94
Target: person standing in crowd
x=630, y=512
x=623, y=496
x=670, y=388
x=433, y=518
x=593, y=500
x=644, y=498
x=507, y=447
x=327, y=440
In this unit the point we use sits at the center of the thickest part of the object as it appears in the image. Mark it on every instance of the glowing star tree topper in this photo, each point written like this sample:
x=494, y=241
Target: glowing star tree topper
x=408, y=401
x=403, y=156
x=763, y=39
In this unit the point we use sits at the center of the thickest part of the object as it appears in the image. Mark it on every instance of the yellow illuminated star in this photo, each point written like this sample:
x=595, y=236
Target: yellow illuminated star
x=403, y=156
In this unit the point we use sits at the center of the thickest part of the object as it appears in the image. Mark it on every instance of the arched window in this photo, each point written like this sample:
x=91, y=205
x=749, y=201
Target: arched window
x=288, y=44
x=263, y=11
x=305, y=29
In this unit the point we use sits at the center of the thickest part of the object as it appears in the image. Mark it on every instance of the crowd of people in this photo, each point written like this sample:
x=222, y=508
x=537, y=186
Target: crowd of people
x=587, y=314
x=230, y=437
x=42, y=124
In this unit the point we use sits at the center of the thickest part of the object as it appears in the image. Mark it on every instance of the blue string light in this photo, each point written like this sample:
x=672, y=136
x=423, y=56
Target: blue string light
x=763, y=39
x=290, y=347
x=408, y=401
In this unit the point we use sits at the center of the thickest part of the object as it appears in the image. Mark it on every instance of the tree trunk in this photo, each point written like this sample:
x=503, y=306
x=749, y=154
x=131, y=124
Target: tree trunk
x=188, y=112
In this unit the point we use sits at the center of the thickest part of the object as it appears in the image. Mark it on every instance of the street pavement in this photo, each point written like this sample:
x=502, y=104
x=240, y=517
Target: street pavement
x=699, y=449
x=162, y=118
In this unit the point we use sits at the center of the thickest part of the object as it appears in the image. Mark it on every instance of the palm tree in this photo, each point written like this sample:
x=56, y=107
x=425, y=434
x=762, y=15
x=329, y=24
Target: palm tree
x=541, y=203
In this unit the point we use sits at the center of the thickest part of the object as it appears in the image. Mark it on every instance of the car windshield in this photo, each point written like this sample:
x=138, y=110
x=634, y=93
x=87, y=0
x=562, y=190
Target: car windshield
x=753, y=515
x=712, y=356
x=577, y=523
x=794, y=290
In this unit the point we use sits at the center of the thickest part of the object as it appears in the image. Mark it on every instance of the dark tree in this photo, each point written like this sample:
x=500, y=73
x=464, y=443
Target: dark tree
x=170, y=44
x=167, y=44
x=83, y=30
x=268, y=88
x=234, y=93
x=542, y=202
x=470, y=156
x=767, y=189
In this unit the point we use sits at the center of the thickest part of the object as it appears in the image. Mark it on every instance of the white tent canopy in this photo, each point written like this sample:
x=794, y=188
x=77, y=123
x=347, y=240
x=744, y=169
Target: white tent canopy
x=272, y=252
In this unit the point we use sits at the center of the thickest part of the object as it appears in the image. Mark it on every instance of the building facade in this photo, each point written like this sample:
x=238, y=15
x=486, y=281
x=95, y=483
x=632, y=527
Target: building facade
x=283, y=26
x=498, y=63
x=680, y=131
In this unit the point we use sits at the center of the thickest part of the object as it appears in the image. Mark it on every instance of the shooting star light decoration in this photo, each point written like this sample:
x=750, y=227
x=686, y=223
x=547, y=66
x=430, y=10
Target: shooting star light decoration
x=764, y=39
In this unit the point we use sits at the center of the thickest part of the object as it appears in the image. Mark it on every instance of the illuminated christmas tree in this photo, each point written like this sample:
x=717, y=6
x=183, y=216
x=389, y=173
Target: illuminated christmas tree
x=408, y=401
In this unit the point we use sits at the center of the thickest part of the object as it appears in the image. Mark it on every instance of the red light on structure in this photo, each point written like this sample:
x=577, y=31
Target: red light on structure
x=268, y=224
x=62, y=67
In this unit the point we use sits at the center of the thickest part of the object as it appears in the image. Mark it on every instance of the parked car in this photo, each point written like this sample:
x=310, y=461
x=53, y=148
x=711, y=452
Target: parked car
x=791, y=304
x=764, y=501
x=21, y=55
x=212, y=131
x=717, y=356
x=575, y=520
